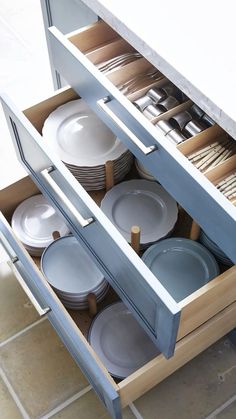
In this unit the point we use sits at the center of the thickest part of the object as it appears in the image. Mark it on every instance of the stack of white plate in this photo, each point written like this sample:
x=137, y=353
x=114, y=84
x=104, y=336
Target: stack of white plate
x=119, y=341
x=34, y=222
x=142, y=203
x=217, y=252
x=72, y=273
x=181, y=265
x=142, y=171
x=85, y=144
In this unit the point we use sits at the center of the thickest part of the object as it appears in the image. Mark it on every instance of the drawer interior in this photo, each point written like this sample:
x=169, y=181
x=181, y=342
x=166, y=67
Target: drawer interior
x=219, y=293
x=120, y=76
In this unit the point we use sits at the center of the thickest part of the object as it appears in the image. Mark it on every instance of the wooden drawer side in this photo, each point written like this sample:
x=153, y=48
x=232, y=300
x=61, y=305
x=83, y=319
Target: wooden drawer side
x=187, y=348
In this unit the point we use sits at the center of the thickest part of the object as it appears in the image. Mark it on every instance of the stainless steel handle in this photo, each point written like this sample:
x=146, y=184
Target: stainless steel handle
x=102, y=103
x=41, y=311
x=62, y=197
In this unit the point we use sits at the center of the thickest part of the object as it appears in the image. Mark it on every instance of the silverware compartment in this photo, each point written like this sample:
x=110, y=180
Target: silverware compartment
x=101, y=43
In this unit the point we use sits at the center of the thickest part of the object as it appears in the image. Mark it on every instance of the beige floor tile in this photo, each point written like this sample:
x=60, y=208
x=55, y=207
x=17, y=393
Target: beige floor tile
x=8, y=408
x=16, y=311
x=41, y=370
x=195, y=390
x=228, y=413
x=88, y=407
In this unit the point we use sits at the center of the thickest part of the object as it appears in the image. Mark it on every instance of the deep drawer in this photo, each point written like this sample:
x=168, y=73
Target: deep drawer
x=115, y=258
x=74, y=57
x=72, y=326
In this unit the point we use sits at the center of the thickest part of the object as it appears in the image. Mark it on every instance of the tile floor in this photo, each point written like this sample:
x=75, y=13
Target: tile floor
x=38, y=378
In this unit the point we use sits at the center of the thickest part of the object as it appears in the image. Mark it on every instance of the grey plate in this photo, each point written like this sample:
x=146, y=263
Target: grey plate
x=68, y=268
x=119, y=341
x=143, y=203
x=181, y=265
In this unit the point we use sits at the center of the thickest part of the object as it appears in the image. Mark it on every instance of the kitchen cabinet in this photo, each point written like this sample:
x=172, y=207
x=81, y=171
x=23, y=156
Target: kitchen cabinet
x=180, y=330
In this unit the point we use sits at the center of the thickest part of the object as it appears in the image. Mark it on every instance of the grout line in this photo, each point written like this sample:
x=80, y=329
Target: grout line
x=67, y=402
x=21, y=332
x=13, y=394
x=135, y=411
x=214, y=414
x=16, y=35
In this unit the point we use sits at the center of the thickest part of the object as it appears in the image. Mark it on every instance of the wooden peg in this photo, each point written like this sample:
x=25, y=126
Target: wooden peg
x=135, y=238
x=56, y=235
x=92, y=304
x=109, y=172
x=195, y=231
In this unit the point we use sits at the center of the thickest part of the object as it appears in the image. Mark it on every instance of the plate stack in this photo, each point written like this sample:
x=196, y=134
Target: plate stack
x=217, y=252
x=34, y=222
x=181, y=265
x=85, y=144
x=142, y=171
x=72, y=273
x=142, y=203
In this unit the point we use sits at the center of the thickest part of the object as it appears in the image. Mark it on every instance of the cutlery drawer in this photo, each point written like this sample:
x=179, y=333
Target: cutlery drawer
x=72, y=326
x=165, y=161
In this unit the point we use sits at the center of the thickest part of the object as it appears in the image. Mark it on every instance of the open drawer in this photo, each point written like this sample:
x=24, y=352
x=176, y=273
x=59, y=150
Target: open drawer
x=162, y=318
x=72, y=326
x=75, y=56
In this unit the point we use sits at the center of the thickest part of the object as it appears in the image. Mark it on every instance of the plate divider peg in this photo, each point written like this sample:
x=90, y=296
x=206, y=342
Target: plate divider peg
x=92, y=304
x=56, y=235
x=135, y=238
x=195, y=231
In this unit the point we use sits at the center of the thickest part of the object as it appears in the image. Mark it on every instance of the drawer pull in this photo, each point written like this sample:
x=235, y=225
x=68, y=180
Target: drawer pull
x=41, y=311
x=63, y=198
x=102, y=103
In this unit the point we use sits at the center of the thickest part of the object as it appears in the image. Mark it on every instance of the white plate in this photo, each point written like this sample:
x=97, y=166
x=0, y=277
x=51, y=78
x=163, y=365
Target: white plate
x=81, y=305
x=68, y=268
x=119, y=341
x=79, y=137
x=143, y=173
x=34, y=221
x=81, y=296
x=142, y=203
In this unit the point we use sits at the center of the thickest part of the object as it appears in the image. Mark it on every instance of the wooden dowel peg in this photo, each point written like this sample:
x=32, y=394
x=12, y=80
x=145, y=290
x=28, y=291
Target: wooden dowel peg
x=92, y=304
x=56, y=235
x=195, y=231
x=135, y=238
x=109, y=172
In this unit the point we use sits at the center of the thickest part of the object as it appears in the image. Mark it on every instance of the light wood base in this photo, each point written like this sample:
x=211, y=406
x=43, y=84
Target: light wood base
x=186, y=349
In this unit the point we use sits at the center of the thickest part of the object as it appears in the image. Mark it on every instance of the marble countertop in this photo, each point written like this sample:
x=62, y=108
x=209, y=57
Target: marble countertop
x=193, y=45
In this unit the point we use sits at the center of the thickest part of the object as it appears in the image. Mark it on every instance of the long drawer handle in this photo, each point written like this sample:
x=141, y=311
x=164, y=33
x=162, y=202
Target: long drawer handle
x=41, y=311
x=83, y=222
x=102, y=103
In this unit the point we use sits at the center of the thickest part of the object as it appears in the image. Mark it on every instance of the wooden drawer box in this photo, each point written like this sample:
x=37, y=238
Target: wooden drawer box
x=215, y=301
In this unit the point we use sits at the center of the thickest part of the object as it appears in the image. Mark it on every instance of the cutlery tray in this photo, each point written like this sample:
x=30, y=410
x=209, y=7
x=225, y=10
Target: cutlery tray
x=196, y=333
